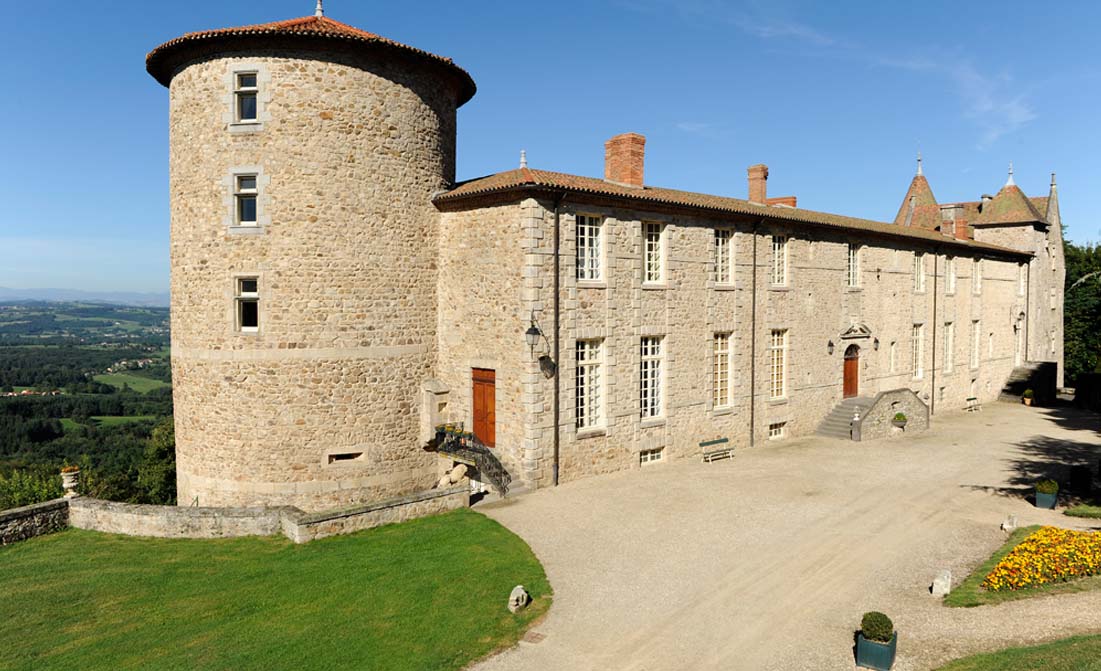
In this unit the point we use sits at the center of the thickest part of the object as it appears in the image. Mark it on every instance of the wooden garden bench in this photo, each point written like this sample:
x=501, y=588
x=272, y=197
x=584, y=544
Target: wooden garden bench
x=973, y=405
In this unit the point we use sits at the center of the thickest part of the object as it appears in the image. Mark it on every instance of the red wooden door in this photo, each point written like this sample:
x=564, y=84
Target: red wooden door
x=485, y=406
x=852, y=371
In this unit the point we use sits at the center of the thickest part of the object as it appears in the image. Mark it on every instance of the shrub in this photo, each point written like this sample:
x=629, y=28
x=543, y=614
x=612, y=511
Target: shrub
x=1047, y=487
x=900, y=417
x=1029, y=393
x=27, y=486
x=877, y=627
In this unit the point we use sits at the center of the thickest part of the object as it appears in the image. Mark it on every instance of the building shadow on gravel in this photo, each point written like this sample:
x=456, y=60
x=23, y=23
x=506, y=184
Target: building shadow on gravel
x=1043, y=458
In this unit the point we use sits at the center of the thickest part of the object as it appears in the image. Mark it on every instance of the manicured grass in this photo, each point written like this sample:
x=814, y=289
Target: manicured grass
x=69, y=424
x=113, y=420
x=970, y=593
x=1082, y=653
x=426, y=594
x=1083, y=510
x=136, y=382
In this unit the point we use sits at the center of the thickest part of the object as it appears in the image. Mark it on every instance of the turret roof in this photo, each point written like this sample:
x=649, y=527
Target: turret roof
x=163, y=61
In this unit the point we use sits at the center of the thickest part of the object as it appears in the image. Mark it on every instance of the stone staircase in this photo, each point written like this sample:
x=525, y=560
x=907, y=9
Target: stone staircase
x=1038, y=376
x=837, y=423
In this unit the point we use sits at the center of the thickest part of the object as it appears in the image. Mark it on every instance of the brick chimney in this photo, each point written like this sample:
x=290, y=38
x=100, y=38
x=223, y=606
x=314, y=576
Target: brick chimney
x=623, y=158
x=758, y=183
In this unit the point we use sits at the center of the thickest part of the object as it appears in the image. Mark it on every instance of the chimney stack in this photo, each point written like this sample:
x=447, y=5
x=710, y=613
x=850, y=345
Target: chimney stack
x=623, y=159
x=758, y=183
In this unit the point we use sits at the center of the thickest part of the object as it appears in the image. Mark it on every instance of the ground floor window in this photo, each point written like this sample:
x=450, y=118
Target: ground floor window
x=777, y=431
x=650, y=456
x=248, y=304
x=778, y=360
x=650, y=375
x=590, y=413
x=721, y=370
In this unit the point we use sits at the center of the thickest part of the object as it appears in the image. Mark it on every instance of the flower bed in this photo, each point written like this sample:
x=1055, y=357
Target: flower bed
x=1047, y=556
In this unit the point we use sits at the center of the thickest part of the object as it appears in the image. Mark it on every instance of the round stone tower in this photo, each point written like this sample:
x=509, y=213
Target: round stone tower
x=303, y=157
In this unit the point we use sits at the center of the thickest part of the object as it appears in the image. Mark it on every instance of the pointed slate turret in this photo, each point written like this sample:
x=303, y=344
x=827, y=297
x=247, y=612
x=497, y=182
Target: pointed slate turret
x=1010, y=206
x=1052, y=213
x=919, y=207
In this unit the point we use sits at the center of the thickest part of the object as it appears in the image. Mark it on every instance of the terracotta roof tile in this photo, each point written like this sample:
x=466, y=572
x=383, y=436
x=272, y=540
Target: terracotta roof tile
x=1010, y=206
x=638, y=197
x=919, y=207
x=162, y=61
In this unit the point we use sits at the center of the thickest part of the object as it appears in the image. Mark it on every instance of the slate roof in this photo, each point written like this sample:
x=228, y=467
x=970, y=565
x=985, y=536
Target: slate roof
x=163, y=61
x=526, y=179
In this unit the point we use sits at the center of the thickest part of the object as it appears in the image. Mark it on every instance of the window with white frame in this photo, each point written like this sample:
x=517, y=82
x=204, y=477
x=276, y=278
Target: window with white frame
x=949, y=345
x=893, y=364
x=245, y=92
x=779, y=260
x=976, y=281
x=777, y=430
x=917, y=349
x=853, y=275
x=1022, y=279
x=590, y=411
x=724, y=256
x=590, y=248
x=919, y=272
x=950, y=275
x=650, y=456
x=245, y=193
x=653, y=253
x=720, y=378
x=650, y=377
x=976, y=329
x=778, y=360
x=247, y=299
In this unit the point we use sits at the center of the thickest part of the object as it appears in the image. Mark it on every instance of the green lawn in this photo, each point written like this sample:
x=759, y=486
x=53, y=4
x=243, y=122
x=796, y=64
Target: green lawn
x=970, y=592
x=426, y=594
x=1082, y=653
x=136, y=382
x=1083, y=510
x=69, y=424
x=113, y=420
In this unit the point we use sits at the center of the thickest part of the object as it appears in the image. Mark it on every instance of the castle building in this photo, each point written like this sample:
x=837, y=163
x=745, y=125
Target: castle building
x=336, y=294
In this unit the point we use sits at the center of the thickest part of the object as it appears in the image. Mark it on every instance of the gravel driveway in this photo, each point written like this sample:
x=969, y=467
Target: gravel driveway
x=767, y=561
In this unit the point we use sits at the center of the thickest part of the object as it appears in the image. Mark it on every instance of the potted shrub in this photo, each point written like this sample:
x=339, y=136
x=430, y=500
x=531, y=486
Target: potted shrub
x=1046, y=493
x=876, y=642
x=1028, y=396
x=899, y=420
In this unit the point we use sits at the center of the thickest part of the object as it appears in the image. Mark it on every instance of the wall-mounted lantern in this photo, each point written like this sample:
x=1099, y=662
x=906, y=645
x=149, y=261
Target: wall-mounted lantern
x=829, y=347
x=875, y=344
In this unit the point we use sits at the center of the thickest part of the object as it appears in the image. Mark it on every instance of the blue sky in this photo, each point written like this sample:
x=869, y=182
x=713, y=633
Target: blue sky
x=836, y=98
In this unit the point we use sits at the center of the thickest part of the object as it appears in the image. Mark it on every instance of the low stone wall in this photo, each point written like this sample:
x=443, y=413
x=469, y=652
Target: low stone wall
x=19, y=524
x=303, y=527
x=172, y=521
x=878, y=421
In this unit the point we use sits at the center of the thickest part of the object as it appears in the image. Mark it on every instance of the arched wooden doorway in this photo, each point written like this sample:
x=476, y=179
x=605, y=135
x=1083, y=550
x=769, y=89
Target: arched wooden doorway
x=852, y=371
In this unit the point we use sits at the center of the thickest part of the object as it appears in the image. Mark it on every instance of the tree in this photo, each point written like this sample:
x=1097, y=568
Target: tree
x=1082, y=310
x=157, y=470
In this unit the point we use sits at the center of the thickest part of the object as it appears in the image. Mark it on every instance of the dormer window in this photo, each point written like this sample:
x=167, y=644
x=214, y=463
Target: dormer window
x=245, y=92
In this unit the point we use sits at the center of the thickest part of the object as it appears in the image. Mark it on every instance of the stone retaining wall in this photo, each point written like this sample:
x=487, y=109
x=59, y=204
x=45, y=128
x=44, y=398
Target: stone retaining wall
x=20, y=524
x=172, y=521
x=877, y=422
x=303, y=527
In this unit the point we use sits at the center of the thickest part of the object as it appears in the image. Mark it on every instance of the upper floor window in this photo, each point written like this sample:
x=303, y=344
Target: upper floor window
x=245, y=194
x=247, y=297
x=779, y=260
x=650, y=377
x=778, y=363
x=976, y=329
x=950, y=275
x=653, y=255
x=853, y=274
x=917, y=341
x=590, y=248
x=590, y=411
x=245, y=91
x=919, y=272
x=724, y=256
x=976, y=283
x=1022, y=279
x=721, y=371
x=949, y=345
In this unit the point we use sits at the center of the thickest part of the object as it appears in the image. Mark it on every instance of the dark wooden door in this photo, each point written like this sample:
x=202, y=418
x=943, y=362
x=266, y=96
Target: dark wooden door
x=852, y=371
x=485, y=406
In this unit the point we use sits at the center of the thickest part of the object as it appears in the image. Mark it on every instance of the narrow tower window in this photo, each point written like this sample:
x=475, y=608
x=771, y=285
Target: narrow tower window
x=245, y=90
x=653, y=256
x=779, y=260
x=854, y=266
x=724, y=256
x=245, y=194
x=248, y=304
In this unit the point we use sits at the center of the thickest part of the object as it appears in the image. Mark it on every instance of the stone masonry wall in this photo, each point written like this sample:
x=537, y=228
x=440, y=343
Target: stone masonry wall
x=349, y=153
x=878, y=421
x=815, y=307
x=172, y=521
x=305, y=527
x=19, y=524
